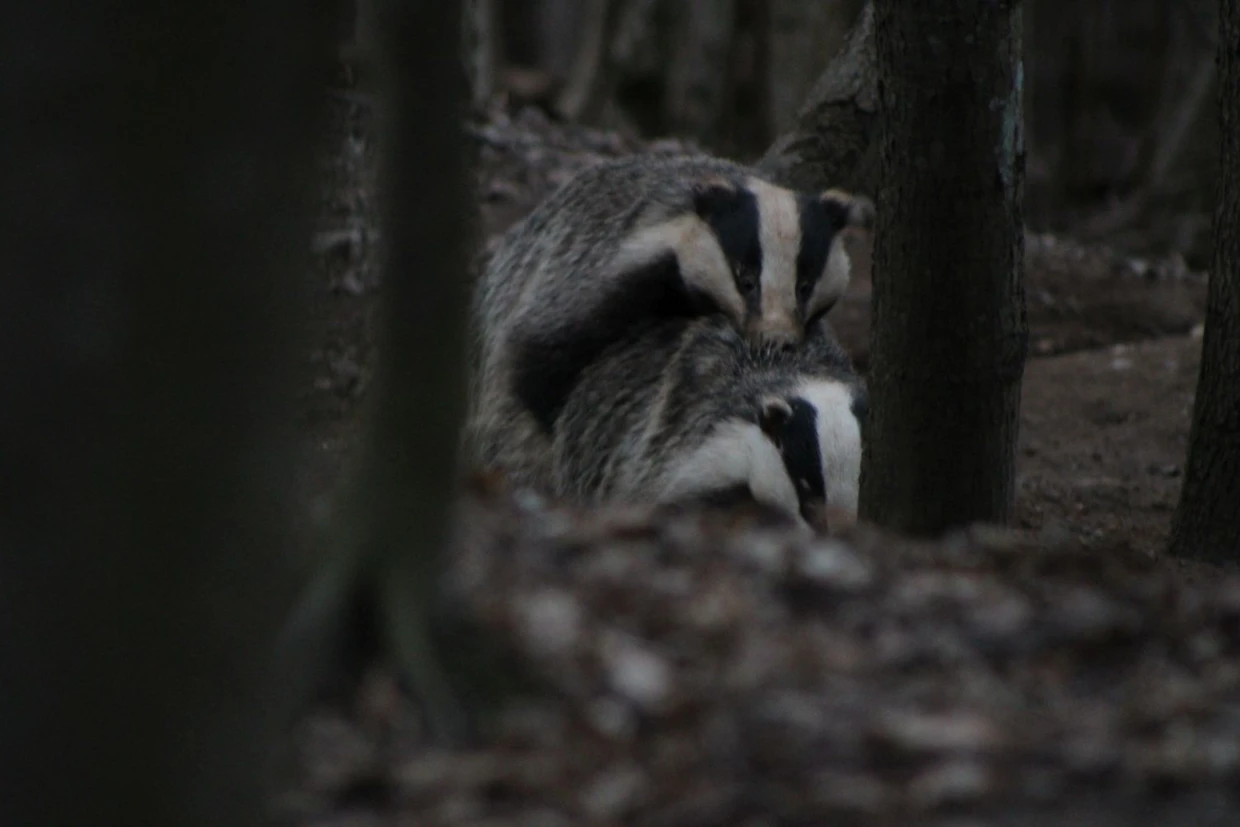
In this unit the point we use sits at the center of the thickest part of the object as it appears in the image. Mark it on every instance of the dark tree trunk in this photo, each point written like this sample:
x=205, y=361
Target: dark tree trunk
x=385, y=545
x=1207, y=522
x=409, y=479
x=950, y=335
x=159, y=175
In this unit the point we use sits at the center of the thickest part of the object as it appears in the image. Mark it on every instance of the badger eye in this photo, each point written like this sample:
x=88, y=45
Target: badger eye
x=746, y=282
x=804, y=290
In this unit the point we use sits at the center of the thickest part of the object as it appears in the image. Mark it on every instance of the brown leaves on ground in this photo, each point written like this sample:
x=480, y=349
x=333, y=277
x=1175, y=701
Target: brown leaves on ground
x=703, y=670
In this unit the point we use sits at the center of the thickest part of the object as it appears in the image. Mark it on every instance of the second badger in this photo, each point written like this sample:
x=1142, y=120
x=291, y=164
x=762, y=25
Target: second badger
x=687, y=411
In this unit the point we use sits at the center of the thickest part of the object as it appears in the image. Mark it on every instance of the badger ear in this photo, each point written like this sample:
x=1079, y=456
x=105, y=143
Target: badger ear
x=848, y=210
x=773, y=415
x=713, y=195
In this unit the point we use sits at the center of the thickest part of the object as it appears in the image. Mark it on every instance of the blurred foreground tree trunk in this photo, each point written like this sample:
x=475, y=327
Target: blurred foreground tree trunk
x=154, y=220
x=1207, y=522
x=949, y=335
x=385, y=546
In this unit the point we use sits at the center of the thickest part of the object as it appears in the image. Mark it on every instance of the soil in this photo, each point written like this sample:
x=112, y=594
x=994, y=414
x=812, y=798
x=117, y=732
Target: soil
x=718, y=672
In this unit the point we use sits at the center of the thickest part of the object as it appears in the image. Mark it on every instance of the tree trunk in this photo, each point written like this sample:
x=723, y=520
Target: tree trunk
x=155, y=215
x=831, y=144
x=950, y=334
x=386, y=543
x=1207, y=522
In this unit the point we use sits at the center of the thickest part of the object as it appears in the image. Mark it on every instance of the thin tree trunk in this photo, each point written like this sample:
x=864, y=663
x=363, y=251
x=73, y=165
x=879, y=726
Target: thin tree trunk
x=385, y=546
x=831, y=144
x=1207, y=522
x=410, y=477
x=155, y=209
x=950, y=335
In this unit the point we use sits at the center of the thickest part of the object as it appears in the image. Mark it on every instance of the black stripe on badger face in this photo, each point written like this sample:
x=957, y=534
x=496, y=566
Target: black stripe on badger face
x=792, y=424
x=822, y=219
x=798, y=445
x=733, y=216
x=548, y=365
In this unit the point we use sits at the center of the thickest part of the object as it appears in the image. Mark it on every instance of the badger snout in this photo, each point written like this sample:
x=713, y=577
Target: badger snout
x=779, y=334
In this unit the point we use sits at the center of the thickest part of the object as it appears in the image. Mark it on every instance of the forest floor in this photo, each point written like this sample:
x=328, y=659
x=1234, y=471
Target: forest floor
x=1106, y=404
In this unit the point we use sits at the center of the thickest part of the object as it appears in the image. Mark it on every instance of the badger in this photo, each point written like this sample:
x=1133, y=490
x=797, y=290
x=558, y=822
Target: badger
x=635, y=240
x=690, y=411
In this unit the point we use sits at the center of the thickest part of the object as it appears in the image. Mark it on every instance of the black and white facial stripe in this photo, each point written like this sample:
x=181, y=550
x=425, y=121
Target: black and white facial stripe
x=785, y=261
x=801, y=455
x=817, y=431
x=794, y=429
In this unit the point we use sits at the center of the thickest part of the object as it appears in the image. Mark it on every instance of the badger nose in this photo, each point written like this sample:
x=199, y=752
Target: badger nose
x=778, y=339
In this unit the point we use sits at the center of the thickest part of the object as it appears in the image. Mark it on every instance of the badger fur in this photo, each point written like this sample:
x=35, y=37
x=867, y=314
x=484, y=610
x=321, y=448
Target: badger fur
x=629, y=241
x=689, y=411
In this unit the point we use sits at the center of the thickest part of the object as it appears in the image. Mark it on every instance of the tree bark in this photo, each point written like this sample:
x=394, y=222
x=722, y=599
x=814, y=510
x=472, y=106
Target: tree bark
x=156, y=206
x=950, y=332
x=831, y=144
x=1207, y=522
x=385, y=545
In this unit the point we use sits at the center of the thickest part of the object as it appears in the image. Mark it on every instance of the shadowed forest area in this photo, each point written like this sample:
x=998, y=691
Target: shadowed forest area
x=249, y=581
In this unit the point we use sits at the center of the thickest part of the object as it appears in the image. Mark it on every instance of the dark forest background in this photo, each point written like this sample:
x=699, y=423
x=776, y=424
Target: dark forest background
x=1120, y=97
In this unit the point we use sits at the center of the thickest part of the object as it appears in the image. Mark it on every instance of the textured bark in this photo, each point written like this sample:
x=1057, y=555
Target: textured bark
x=805, y=35
x=950, y=334
x=409, y=474
x=385, y=543
x=155, y=209
x=831, y=144
x=1207, y=522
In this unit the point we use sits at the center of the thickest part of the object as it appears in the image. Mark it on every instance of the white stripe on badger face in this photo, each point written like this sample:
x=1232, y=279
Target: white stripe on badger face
x=834, y=279
x=703, y=265
x=779, y=232
x=735, y=452
x=839, y=440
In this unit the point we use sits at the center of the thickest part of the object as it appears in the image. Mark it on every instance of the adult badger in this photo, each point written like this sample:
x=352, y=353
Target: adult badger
x=627, y=241
x=684, y=411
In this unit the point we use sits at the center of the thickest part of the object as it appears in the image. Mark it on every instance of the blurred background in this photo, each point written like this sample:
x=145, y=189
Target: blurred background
x=1120, y=95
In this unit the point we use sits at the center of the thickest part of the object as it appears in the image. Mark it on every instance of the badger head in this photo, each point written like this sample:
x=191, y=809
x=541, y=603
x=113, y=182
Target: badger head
x=817, y=430
x=802, y=456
